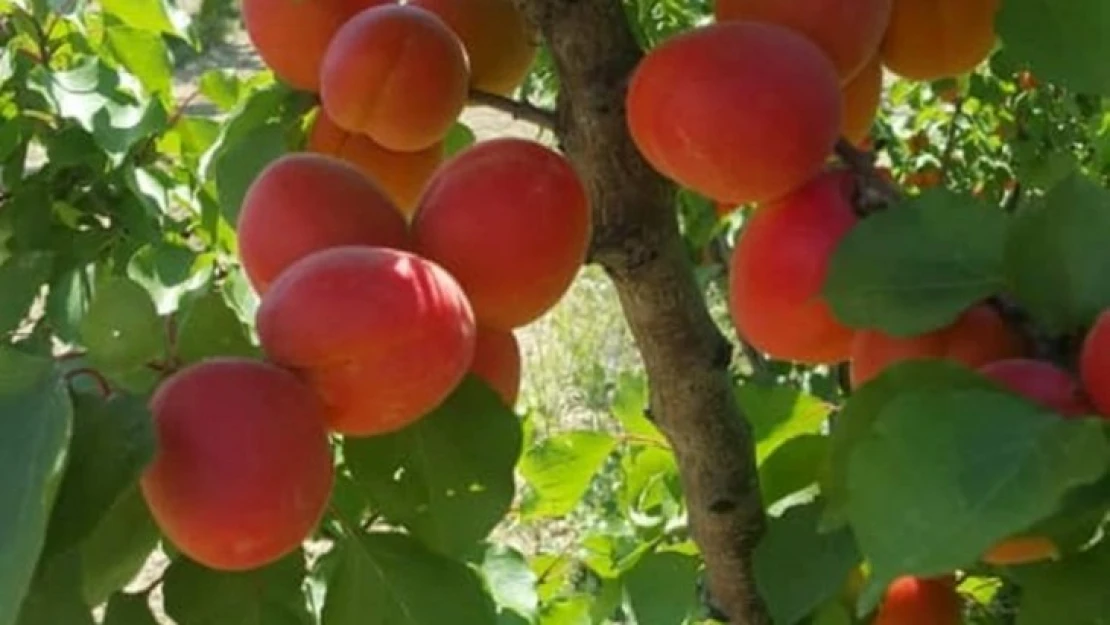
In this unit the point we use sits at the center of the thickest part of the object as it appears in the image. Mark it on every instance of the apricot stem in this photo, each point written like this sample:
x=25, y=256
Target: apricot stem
x=518, y=109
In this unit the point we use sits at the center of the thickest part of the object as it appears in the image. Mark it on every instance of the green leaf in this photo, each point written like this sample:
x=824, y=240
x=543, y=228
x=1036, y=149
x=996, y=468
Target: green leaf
x=916, y=267
x=125, y=609
x=568, y=611
x=118, y=546
x=391, y=579
x=144, y=54
x=55, y=595
x=560, y=470
x=1071, y=591
x=122, y=330
x=778, y=414
x=449, y=477
x=1065, y=42
x=21, y=277
x=459, y=138
x=511, y=582
x=662, y=588
x=168, y=272
x=156, y=16
x=650, y=481
x=1056, y=256
x=221, y=87
x=793, y=592
x=35, y=422
x=272, y=595
x=241, y=163
x=210, y=328
x=112, y=443
x=944, y=476
x=629, y=403
x=792, y=467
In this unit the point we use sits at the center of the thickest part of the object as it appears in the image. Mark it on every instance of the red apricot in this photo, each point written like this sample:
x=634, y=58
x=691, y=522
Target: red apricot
x=291, y=36
x=242, y=471
x=934, y=39
x=919, y=601
x=1041, y=382
x=861, y=97
x=978, y=336
x=497, y=362
x=498, y=40
x=1094, y=363
x=382, y=335
x=397, y=74
x=402, y=175
x=510, y=220
x=778, y=272
x=303, y=203
x=738, y=111
x=848, y=32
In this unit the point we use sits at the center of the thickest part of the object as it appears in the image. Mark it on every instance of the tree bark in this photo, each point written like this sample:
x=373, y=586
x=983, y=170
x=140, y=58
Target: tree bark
x=637, y=241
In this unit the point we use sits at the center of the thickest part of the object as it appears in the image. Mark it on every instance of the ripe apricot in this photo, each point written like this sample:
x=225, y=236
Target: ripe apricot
x=291, y=36
x=738, y=111
x=1094, y=363
x=498, y=40
x=397, y=74
x=510, y=220
x=848, y=32
x=497, y=362
x=978, y=336
x=934, y=39
x=382, y=335
x=1042, y=383
x=919, y=601
x=1021, y=550
x=861, y=97
x=402, y=175
x=242, y=470
x=778, y=271
x=302, y=203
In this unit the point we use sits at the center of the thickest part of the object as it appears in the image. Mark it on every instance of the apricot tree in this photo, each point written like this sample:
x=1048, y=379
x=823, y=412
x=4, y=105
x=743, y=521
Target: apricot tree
x=262, y=358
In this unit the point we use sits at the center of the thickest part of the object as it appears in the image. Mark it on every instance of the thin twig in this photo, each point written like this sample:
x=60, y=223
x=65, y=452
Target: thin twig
x=950, y=141
x=101, y=383
x=518, y=109
x=875, y=192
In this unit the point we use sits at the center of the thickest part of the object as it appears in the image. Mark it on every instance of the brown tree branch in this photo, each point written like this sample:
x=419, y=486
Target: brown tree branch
x=637, y=241
x=518, y=109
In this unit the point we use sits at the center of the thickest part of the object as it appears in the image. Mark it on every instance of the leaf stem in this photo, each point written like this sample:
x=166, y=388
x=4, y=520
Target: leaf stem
x=101, y=381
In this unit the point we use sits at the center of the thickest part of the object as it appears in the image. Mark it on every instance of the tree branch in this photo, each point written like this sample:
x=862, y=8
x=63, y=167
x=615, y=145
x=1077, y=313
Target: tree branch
x=637, y=241
x=518, y=109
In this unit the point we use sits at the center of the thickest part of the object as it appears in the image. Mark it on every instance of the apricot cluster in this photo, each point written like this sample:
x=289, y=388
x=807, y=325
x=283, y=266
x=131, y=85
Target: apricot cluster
x=392, y=78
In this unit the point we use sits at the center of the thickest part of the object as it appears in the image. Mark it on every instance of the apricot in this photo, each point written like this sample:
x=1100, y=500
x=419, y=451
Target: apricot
x=497, y=362
x=848, y=32
x=303, y=203
x=291, y=36
x=397, y=74
x=778, y=271
x=934, y=39
x=499, y=42
x=1094, y=363
x=978, y=336
x=1021, y=550
x=861, y=97
x=920, y=601
x=243, y=470
x=1042, y=383
x=402, y=175
x=383, y=336
x=737, y=111
x=510, y=220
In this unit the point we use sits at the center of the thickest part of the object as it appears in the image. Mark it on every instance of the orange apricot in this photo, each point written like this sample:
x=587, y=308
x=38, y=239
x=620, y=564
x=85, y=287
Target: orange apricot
x=978, y=336
x=1094, y=363
x=862, y=96
x=242, y=470
x=303, y=203
x=1042, y=383
x=499, y=42
x=1021, y=550
x=510, y=220
x=402, y=175
x=737, y=111
x=497, y=362
x=918, y=601
x=934, y=39
x=383, y=336
x=848, y=32
x=291, y=36
x=778, y=271
x=397, y=74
